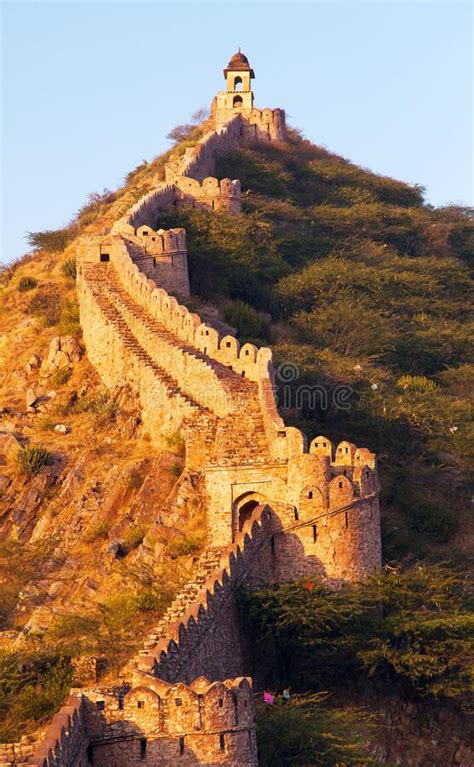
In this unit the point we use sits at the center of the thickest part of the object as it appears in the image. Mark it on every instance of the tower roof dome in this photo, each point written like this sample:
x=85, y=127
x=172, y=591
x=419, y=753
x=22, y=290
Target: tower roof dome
x=239, y=63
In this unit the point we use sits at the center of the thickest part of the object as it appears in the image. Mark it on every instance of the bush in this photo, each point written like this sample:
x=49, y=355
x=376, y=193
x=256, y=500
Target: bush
x=68, y=268
x=69, y=319
x=32, y=688
x=102, y=406
x=133, y=538
x=135, y=479
x=100, y=531
x=438, y=523
x=249, y=323
x=304, y=731
x=52, y=241
x=31, y=460
x=184, y=547
x=176, y=469
x=46, y=305
x=61, y=376
x=27, y=283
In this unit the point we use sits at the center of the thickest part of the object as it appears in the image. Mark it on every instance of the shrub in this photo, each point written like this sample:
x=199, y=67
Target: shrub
x=436, y=522
x=135, y=479
x=68, y=268
x=175, y=440
x=52, y=241
x=176, y=470
x=27, y=283
x=133, y=538
x=61, y=376
x=46, y=305
x=184, y=547
x=32, y=459
x=69, y=319
x=100, y=531
x=101, y=405
x=249, y=323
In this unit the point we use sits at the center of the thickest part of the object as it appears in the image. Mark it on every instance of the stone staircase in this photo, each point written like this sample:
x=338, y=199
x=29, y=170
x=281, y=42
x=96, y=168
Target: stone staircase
x=207, y=564
x=98, y=279
x=240, y=437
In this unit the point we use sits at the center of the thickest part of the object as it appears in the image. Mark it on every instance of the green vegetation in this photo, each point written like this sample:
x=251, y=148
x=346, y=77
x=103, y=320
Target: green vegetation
x=46, y=305
x=304, y=731
x=368, y=288
x=101, y=405
x=31, y=460
x=184, y=547
x=33, y=686
x=408, y=630
x=61, y=376
x=27, y=283
x=68, y=268
x=110, y=629
x=98, y=532
x=132, y=539
x=250, y=325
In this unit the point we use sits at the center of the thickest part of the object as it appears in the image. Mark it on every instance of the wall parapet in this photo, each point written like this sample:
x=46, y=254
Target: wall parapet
x=179, y=654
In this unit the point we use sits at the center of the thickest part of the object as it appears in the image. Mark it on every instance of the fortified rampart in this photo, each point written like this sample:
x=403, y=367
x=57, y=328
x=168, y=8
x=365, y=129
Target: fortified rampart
x=277, y=508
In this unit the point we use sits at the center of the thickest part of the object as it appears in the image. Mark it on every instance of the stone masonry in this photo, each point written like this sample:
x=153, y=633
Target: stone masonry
x=277, y=507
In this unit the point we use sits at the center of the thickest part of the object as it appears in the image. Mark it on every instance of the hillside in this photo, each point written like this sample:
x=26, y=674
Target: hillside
x=369, y=288
x=359, y=288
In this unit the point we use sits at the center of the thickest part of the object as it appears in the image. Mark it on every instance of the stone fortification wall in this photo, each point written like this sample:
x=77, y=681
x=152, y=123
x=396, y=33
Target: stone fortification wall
x=66, y=740
x=205, y=639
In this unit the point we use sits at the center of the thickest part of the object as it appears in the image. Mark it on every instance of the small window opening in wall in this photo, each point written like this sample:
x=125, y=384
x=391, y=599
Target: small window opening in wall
x=120, y=702
x=181, y=746
x=340, y=484
x=346, y=519
x=153, y=239
x=247, y=352
x=344, y=472
x=315, y=533
x=324, y=444
x=104, y=257
x=178, y=701
x=221, y=702
x=144, y=234
x=245, y=703
x=297, y=516
x=154, y=262
x=142, y=748
x=90, y=754
x=243, y=373
x=101, y=705
x=281, y=434
x=310, y=494
x=228, y=344
x=346, y=449
x=141, y=704
x=205, y=350
x=222, y=741
x=367, y=474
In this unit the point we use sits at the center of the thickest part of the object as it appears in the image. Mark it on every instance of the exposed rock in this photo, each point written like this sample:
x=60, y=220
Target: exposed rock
x=61, y=428
x=5, y=483
x=31, y=398
x=9, y=444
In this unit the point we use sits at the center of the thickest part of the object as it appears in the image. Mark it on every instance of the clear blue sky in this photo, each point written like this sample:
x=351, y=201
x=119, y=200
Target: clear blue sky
x=90, y=89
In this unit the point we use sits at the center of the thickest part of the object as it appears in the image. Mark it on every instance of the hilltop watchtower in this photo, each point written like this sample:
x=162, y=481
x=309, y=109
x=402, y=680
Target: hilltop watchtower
x=238, y=99
x=239, y=95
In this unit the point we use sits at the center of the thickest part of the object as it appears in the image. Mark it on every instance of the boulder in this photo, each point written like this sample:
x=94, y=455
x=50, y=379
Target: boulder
x=31, y=398
x=61, y=360
x=61, y=428
x=9, y=444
